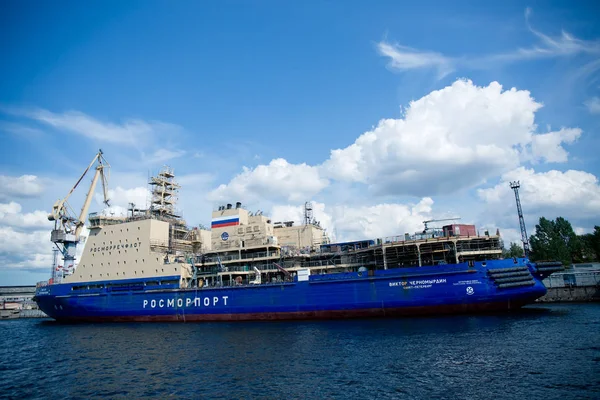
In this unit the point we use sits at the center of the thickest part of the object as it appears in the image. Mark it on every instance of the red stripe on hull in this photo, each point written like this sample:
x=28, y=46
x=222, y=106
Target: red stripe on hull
x=314, y=315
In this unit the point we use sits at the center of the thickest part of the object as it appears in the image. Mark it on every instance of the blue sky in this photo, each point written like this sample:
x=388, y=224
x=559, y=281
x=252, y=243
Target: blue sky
x=213, y=87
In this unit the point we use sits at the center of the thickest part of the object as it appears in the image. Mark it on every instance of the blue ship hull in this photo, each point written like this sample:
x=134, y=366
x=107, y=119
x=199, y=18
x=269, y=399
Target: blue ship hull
x=459, y=288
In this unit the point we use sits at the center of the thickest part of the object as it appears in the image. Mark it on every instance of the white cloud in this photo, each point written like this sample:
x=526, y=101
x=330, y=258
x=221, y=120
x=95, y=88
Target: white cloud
x=362, y=222
x=10, y=214
x=282, y=213
x=120, y=199
x=593, y=105
x=547, y=146
x=564, y=45
x=131, y=132
x=162, y=155
x=404, y=58
x=26, y=250
x=21, y=131
x=278, y=179
x=22, y=186
x=571, y=194
x=450, y=139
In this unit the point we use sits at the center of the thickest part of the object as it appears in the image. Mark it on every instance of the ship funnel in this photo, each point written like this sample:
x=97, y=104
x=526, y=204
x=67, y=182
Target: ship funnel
x=238, y=204
x=229, y=206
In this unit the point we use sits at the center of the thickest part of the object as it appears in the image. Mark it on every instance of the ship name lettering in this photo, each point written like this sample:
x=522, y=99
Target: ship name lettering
x=189, y=302
x=424, y=283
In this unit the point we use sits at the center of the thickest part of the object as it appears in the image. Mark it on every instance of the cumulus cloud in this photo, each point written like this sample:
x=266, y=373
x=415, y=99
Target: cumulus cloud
x=26, y=250
x=21, y=186
x=548, y=146
x=121, y=197
x=363, y=222
x=450, y=139
x=10, y=214
x=572, y=194
x=278, y=179
x=295, y=213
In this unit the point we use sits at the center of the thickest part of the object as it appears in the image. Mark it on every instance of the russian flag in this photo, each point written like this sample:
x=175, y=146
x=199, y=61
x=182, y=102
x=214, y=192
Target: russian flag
x=222, y=222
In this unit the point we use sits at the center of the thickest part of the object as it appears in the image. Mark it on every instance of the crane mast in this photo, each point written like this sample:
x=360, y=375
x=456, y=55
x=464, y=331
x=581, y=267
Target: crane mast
x=68, y=226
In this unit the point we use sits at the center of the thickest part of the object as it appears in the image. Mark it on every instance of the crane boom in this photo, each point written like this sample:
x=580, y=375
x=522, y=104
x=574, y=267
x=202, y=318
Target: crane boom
x=67, y=227
x=438, y=220
x=88, y=199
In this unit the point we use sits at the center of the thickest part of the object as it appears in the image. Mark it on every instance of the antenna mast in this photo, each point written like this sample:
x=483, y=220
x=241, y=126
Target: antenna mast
x=515, y=186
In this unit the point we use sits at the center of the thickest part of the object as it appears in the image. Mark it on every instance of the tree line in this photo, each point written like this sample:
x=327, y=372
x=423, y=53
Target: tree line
x=556, y=240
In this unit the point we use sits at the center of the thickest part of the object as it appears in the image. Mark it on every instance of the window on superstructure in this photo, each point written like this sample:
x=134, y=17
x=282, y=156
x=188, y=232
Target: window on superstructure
x=240, y=230
x=256, y=229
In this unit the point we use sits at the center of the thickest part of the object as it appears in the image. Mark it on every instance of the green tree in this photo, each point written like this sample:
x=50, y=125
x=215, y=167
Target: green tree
x=590, y=245
x=555, y=240
x=515, y=250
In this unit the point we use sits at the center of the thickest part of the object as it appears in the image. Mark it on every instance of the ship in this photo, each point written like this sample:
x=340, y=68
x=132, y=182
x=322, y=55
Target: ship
x=148, y=265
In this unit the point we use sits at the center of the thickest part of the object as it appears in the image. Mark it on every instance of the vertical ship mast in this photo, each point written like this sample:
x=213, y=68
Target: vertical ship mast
x=515, y=186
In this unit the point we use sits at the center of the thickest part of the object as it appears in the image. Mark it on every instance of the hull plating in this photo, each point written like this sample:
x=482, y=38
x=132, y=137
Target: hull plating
x=408, y=291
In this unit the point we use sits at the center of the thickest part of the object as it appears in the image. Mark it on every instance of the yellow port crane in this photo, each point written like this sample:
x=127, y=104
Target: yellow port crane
x=68, y=227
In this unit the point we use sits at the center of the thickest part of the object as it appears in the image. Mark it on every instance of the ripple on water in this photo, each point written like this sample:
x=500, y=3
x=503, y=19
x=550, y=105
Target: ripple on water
x=548, y=352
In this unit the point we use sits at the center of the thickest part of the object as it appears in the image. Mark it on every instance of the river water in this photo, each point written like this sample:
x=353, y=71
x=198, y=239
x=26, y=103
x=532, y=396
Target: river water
x=549, y=351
